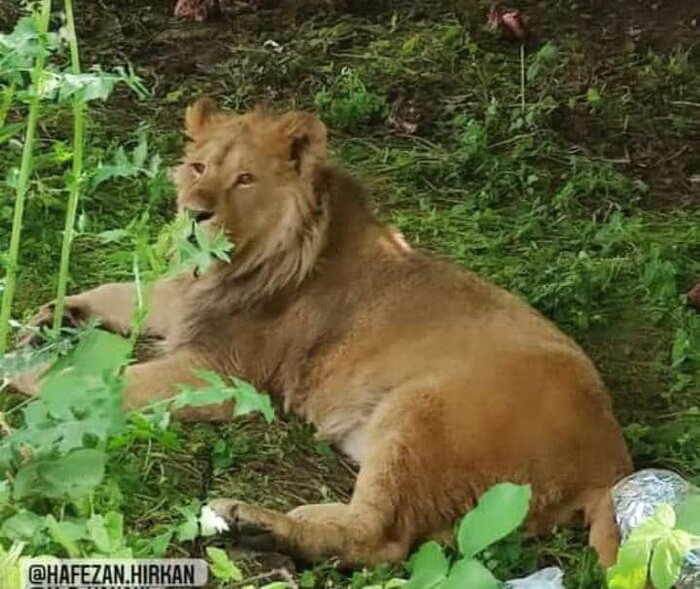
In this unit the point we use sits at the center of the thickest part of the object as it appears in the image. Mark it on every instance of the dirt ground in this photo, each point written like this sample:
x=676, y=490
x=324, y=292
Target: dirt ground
x=172, y=52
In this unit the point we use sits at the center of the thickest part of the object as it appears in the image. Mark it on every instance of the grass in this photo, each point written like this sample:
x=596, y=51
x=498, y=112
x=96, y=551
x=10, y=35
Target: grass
x=580, y=201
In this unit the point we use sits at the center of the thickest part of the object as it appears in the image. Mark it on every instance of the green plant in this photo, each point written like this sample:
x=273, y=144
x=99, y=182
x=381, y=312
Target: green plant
x=77, y=171
x=498, y=513
x=31, y=41
x=55, y=459
x=656, y=549
x=9, y=566
x=347, y=103
x=41, y=23
x=221, y=566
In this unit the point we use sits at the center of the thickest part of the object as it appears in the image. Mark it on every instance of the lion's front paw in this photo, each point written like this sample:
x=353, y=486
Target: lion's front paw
x=251, y=526
x=73, y=316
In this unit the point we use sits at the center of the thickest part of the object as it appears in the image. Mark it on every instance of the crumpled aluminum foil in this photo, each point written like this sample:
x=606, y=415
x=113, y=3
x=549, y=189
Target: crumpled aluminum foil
x=550, y=578
x=636, y=498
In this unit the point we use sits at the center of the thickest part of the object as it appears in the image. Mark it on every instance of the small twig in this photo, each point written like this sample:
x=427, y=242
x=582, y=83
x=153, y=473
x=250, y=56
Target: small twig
x=283, y=573
x=673, y=156
x=686, y=103
x=4, y=426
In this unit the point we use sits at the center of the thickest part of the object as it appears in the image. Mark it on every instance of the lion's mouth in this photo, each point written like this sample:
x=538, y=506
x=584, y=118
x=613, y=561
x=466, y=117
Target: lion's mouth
x=200, y=216
x=197, y=218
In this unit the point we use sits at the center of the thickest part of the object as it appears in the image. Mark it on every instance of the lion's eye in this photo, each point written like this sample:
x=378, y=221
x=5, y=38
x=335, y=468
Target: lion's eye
x=198, y=168
x=244, y=179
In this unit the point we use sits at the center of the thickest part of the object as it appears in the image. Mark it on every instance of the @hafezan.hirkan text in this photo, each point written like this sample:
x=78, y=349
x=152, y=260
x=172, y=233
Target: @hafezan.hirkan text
x=134, y=574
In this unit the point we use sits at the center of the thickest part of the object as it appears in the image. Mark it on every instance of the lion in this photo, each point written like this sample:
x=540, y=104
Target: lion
x=436, y=382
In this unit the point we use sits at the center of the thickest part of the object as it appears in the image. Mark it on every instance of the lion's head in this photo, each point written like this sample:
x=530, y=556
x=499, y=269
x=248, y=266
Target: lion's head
x=253, y=176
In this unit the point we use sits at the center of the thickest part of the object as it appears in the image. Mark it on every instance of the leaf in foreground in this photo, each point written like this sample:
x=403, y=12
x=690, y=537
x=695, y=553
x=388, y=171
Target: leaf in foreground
x=246, y=398
x=688, y=514
x=72, y=475
x=498, y=513
x=428, y=566
x=470, y=573
x=667, y=560
x=222, y=567
x=632, y=567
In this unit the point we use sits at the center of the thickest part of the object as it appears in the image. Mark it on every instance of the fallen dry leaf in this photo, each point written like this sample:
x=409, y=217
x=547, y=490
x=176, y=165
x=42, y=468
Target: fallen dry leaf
x=197, y=10
x=405, y=116
x=509, y=22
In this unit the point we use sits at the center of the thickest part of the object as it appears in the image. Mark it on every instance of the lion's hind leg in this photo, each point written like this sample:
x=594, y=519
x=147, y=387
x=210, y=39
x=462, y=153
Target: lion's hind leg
x=392, y=506
x=314, y=532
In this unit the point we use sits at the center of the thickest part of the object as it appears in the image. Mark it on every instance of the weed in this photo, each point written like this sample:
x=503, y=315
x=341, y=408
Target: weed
x=347, y=103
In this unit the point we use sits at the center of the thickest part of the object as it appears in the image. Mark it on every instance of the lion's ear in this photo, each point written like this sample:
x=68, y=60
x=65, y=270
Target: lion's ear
x=198, y=114
x=306, y=139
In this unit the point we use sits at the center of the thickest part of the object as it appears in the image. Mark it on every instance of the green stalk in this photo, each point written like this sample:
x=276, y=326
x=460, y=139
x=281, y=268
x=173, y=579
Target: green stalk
x=522, y=78
x=23, y=182
x=75, y=186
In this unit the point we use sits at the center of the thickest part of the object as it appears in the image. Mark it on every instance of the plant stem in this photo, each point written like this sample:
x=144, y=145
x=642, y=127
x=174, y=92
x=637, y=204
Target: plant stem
x=138, y=315
x=23, y=182
x=77, y=171
x=522, y=77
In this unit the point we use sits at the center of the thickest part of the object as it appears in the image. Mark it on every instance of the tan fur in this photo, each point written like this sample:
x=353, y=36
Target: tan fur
x=438, y=383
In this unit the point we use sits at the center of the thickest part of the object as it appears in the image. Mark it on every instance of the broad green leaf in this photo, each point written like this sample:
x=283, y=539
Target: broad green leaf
x=99, y=535
x=428, y=567
x=655, y=527
x=665, y=515
x=114, y=524
x=80, y=398
x=469, y=572
x=189, y=529
x=5, y=465
x=4, y=493
x=9, y=566
x=307, y=580
x=76, y=473
x=667, y=559
x=100, y=351
x=24, y=526
x=221, y=565
x=66, y=534
x=88, y=86
x=498, y=513
x=73, y=475
x=631, y=569
x=248, y=400
x=28, y=481
x=688, y=514
x=158, y=546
